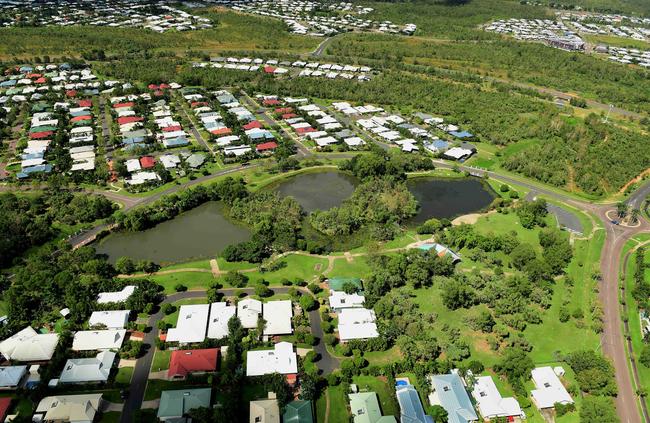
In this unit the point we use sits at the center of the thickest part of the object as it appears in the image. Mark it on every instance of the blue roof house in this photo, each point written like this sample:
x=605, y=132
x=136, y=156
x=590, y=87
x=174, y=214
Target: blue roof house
x=449, y=392
x=411, y=410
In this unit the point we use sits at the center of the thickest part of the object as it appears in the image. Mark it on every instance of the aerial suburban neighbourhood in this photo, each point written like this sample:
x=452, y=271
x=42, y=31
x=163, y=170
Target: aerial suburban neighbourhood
x=325, y=211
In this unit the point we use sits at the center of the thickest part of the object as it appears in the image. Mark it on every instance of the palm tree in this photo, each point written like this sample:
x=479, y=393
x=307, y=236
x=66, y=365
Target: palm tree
x=634, y=215
x=621, y=209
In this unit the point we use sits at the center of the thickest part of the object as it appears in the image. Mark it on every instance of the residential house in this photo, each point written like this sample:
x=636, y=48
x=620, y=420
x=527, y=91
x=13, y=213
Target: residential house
x=248, y=311
x=88, y=370
x=281, y=359
x=298, y=411
x=29, y=345
x=184, y=362
x=11, y=377
x=175, y=405
x=357, y=323
x=111, y=319
x=491, y=404
x=69, y=408
x=340, y=300
x=89, y=340
x=410, y=406
x=220, y=315
x=549, y=389
x=449, y=392
x=264, y=411
x=277, y=315
x=191, y=325
x=365, y=409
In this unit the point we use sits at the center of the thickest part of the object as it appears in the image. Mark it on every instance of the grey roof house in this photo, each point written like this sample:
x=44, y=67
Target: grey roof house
x=83, y=370
x=411, y=410
x=449, y=392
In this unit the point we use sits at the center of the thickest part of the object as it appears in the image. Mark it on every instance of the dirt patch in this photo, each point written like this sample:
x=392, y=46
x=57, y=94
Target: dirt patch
x=469, y=219
x=317, y=267
x=634, y=180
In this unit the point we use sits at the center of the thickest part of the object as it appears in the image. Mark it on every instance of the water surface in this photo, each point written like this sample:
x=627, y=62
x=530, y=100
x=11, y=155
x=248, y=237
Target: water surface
x=199, y=233
x=318, y=190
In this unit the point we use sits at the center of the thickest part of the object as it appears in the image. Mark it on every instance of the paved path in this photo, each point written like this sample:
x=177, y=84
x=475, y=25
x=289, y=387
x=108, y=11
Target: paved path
x=565, y=218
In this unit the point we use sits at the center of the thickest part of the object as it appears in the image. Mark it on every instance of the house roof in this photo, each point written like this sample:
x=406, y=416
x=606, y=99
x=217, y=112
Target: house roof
x=549, y=388
x=357, y=323
x=410, y=406
x=147, y=162
x=278, y=317
x=264, y=411
x=298, y=411
x=116, y=296
x=490, y=402
x=112, y=319
x=5, y=404
x=94, y=369
x=72, y=408
x=267, y=146
x=89, y=340
x=28, y=345
x=451, y=395
x=191, y=325
x=365, y=409
x=281, y=359
x=11, y=376
x=339, y=299
x=220, y=314
x=187, y=361
x=248, y=311
x=179, y=402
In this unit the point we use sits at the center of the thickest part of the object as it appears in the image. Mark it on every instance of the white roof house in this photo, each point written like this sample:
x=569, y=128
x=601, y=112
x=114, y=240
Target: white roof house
x=11, y=376
x=281, y=359
x=340, y=300
x=89, y=340
x=278, y=317
x=549, y=389
x=357, y=323
x=69, y=408
x=220, y=314
x=490, y=402
x=82, y=370
x=457, y=153
x=192, y=324
x=117, y=296
x=248, y=311
x=28, y=345
x=112, y=319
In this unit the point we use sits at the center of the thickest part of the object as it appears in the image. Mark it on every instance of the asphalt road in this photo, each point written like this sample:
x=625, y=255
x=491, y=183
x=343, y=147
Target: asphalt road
x=327, y=363
x=564, y=218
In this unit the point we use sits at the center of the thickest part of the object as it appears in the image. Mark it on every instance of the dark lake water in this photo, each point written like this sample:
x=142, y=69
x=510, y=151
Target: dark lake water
x=448, y=198
x=318, y=191
x=201, y=232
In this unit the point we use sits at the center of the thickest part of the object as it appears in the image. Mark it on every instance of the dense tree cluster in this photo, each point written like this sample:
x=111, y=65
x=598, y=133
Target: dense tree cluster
x=595, y=375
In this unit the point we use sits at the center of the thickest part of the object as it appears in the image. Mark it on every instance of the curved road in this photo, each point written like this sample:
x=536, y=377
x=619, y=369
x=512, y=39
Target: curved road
x=140, y=377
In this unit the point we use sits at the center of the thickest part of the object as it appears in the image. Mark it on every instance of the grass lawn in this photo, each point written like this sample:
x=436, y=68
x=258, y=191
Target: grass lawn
x=172, y=318
x=192, y=280
x=357, y=268
x=198, y=264
x=386, y=393
x=124, y=375
x=110, y=417
x=297, y=267
x=338, y=405
x=161, y=360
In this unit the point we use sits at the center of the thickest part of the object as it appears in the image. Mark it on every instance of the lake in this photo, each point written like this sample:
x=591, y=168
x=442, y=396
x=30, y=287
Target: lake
x=199, y=233
x=448, y=198
x=318, y=190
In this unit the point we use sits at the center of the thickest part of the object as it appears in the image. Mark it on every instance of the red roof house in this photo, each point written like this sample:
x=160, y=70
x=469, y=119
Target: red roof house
x=120, y=105
x=147, y=162
x=40, y=135
x=184, y=362
x=5, y=404
x=172, y=128
x=252, y=125
x=40, y=80
x=221, y=131
x=85, y=103
x=195, y=104
x=80, y=118
x=71, y=93
x=305, y=130
x=271, y=102
x=153, y=86
x=289, y=116
x=282, y=110
x=269, y=69
x=267, y=146
x=128, y=119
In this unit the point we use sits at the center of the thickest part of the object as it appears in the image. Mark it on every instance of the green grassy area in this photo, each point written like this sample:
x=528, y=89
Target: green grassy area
x=161, y=360
x=198, y=264
x=192, y=280
x=384, y=391
x=124, y=375
x=338, y=405
x=357, y=268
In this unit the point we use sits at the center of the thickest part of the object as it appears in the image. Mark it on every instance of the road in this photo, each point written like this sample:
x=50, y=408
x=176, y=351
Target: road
x=142, y=368
x=565, y=218
x=197, y=135
x=322, y=47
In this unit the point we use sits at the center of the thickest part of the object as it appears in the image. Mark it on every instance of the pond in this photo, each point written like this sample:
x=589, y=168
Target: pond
x=448, y=198
x=318, y=190
x=199, y=233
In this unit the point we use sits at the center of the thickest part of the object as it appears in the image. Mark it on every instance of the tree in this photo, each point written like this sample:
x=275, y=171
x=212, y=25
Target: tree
x=522, y=255
x=598, y=409
x=456, y=294
x=308, y=303
x=644, y=358
x=621, y=209
x=263, y=290
x=439, y=414
x=125, y=265
x=235, y=279
x=515, y=364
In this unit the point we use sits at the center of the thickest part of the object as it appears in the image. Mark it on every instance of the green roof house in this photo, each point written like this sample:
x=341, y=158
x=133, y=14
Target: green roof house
x=365, y=409
x=336, y=284
x=176, y=404
x=298, y=412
